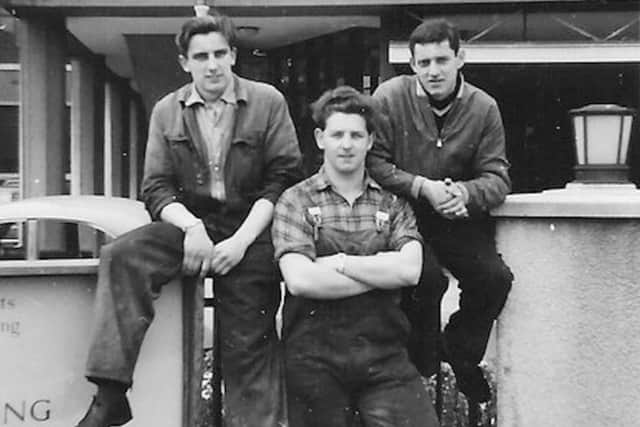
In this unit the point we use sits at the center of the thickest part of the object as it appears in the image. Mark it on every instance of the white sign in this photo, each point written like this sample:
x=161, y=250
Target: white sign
x=45, y=324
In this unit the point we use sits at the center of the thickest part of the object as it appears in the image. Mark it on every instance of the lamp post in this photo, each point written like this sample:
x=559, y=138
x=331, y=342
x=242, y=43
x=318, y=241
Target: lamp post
x=601, y=134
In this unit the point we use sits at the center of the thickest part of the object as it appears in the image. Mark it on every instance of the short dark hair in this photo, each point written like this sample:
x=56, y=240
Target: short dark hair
x=216, y=23
x=435, y=31
x=347, y=100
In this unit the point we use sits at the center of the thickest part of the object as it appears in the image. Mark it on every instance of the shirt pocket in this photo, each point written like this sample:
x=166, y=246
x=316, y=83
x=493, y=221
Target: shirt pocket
x=245, y=163
x=186, y=167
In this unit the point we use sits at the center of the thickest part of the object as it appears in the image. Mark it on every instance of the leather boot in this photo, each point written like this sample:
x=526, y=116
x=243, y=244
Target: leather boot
x=107, y=409
x=469, y=377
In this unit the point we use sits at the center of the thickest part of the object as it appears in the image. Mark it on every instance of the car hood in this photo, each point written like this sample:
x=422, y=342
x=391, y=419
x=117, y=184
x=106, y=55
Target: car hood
x=113, y=215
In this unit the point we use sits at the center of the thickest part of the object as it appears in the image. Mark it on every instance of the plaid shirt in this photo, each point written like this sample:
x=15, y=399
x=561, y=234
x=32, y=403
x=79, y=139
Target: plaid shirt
x=293, y=225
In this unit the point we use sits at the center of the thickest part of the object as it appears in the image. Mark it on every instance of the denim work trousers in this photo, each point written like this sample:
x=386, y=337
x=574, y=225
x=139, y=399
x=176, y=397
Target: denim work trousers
x=468, y=250
x=132, y=271
x=346, y=361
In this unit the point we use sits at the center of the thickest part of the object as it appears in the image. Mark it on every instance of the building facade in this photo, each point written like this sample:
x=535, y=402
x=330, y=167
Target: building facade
x=78, y=78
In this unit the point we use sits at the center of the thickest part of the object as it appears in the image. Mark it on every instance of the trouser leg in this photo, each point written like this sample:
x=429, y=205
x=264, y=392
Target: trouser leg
x=316, y=394
x=421, y=304
x=395, y=396
x=132, y=270
x=247, y=299
x=469, y=251
x=398, y=405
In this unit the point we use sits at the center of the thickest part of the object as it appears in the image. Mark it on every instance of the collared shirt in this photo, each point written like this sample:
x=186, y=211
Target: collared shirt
x=215, y=121
x=293, y=223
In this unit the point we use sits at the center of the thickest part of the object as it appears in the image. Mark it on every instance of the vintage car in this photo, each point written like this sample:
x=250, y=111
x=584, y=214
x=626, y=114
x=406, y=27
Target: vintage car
x=65, y=226
x=9, y=192
x=47, y=287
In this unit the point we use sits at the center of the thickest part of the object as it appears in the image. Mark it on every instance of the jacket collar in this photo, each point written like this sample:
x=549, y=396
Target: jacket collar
x=228, y=96
x=191, y=128
x=185, y=93
x=420, y=92
x=425, y=119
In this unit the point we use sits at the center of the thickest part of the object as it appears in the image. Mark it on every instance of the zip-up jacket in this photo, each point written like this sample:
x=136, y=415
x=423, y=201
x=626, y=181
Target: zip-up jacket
x=470, y=148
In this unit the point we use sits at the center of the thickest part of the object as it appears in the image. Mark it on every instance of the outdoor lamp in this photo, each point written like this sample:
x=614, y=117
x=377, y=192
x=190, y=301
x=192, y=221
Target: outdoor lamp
x=602, y=133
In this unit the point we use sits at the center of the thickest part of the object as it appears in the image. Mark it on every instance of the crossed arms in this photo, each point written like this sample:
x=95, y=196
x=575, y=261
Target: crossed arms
x=341, y=276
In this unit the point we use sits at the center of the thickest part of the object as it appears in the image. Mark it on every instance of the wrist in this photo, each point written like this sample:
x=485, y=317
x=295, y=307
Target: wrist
x=191, y=225
x=416, y=187
x=463, y=192
x=242, y=240
x=426, y=188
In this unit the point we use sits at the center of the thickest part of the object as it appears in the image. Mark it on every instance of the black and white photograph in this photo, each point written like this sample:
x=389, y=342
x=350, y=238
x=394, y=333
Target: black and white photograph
x=308, y=213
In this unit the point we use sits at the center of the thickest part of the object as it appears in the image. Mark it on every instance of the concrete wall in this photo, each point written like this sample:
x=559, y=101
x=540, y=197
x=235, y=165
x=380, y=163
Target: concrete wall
x=568, y=340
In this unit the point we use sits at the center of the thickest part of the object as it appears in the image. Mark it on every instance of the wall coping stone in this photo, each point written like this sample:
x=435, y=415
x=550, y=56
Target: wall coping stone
x=576, y=200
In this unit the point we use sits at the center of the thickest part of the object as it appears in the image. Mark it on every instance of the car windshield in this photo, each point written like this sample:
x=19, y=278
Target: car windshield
x=55, y=240
x=9, y=188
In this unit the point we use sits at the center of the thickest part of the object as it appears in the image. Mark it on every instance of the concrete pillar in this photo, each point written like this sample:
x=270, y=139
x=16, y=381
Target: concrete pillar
x=386, y=70
x=113, y=139
x=568, y=347
x=99, y=116
x=134, y=134
x=83, y=129
x=42, y=111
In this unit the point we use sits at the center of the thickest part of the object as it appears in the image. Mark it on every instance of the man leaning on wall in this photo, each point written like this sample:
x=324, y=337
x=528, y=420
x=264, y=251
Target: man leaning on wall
x=220, y=151
x=443, y=147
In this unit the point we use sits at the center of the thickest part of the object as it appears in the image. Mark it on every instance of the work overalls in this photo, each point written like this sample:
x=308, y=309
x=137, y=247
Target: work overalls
x=347, y=359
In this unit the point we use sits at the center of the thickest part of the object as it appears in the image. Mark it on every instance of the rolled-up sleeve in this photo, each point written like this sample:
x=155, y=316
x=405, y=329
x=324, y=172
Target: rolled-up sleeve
x=403, y=225
x=290, y=231
x=282, y=153
x=159, y=181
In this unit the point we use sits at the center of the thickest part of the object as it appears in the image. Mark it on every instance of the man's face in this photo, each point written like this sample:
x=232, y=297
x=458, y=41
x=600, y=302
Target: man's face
x=209, y=61
x=437, y=65
x=345, y=141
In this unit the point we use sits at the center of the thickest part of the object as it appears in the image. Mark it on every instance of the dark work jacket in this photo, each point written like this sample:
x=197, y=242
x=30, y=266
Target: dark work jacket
x=263, y=160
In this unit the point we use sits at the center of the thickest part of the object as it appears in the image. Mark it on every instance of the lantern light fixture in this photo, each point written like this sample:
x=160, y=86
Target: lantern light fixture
x=602, y=135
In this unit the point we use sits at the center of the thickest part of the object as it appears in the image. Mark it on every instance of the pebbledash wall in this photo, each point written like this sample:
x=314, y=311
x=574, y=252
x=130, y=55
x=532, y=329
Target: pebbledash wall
x=567, y=341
